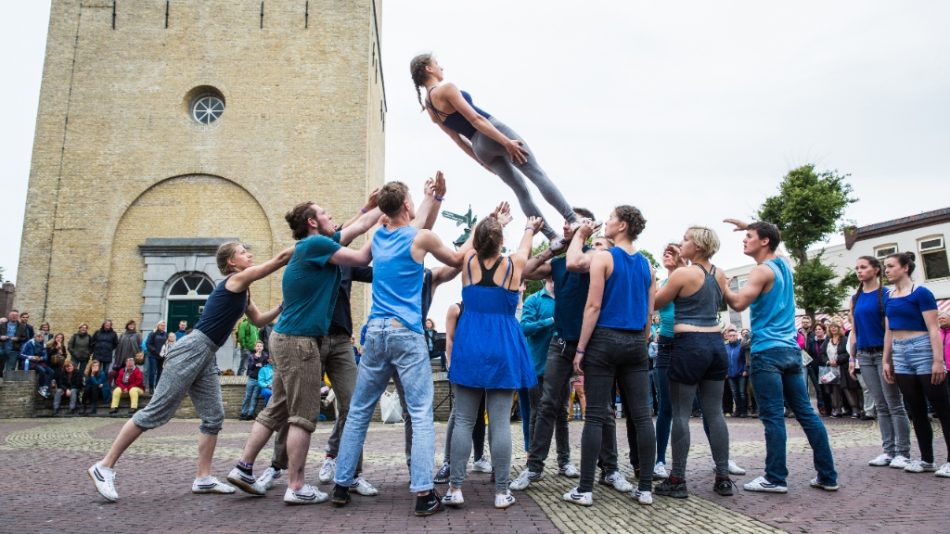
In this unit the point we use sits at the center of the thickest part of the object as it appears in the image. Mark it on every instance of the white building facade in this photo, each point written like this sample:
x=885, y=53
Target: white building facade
x=924, y=234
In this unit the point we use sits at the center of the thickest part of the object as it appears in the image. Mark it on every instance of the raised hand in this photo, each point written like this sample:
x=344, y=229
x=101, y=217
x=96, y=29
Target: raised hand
x=739, y=225
x=587, y=228
x=534, y=224
x=439, y=184
x=372, y=201
x=503, y=213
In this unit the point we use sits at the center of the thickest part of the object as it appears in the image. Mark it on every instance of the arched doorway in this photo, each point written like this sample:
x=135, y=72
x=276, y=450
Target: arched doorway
x=185, y=299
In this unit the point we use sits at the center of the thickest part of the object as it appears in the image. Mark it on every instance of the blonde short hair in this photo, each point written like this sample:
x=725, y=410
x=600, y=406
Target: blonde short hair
x=705, y=239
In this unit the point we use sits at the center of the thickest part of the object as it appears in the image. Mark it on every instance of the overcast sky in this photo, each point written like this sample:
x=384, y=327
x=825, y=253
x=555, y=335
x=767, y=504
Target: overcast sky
x=692, y=111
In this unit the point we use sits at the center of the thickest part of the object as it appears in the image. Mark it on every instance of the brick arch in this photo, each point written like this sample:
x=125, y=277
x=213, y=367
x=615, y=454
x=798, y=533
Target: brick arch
x=189, y=206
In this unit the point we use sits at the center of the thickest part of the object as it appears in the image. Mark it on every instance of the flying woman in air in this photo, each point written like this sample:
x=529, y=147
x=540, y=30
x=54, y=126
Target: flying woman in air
x=487, y=140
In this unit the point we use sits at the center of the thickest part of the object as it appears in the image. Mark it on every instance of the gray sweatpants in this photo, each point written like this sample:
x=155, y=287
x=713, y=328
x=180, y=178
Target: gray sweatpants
x=190, y=367
x=498, y=405
x=710, y=397
x=496, y=158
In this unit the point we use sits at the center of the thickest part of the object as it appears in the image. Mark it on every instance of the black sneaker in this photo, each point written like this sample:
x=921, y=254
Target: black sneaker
x=442, y=477
x=428, y=504
x=341, y=496
x=113, y=413
x=724, y=487
x=669, y=489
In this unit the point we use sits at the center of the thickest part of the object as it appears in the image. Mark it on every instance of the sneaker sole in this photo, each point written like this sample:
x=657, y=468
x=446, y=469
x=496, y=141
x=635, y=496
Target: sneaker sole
x=766, y=490
x=822, y=487
x=93, y=479
x=504, y=506
x=298, y=503
x=579, y=503
x=245, y=487
x=340, y=502
x=429, y=512
x=199, y=491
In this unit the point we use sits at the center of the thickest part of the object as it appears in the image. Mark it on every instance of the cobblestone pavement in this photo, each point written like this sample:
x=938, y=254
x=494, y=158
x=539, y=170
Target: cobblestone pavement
x=46, y=485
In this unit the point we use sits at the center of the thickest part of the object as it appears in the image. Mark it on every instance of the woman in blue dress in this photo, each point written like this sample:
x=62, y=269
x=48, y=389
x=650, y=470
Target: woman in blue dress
x=489, y=351
x=488, y=141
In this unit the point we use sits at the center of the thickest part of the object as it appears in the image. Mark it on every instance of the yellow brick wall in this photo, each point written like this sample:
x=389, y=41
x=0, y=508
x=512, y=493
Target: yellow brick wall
x=114, y=137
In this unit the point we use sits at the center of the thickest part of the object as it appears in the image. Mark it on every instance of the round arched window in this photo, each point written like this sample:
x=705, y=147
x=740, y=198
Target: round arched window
x=207, y=108
x=191, y=286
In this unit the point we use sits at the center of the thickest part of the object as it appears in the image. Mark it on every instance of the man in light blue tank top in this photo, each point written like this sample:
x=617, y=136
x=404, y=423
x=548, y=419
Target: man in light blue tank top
x=777, y=372
x=395, y=344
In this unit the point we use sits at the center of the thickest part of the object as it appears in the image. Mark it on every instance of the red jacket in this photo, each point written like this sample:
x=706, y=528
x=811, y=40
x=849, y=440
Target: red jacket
x=135, y=379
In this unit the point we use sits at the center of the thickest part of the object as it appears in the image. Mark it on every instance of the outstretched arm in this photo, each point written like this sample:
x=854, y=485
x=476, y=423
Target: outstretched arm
x=353, y=258
x=367, y=217
x=259, y=318
x=760, y=277
x=242, y=280
x=577, y=260
x=428, y=209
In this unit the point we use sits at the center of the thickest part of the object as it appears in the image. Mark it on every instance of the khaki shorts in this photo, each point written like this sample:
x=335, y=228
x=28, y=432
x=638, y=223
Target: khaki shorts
x=297, y=381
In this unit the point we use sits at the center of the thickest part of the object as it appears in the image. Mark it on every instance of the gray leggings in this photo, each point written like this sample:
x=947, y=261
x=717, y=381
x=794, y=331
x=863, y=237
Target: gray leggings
x=710, y=397
x=496, y=158
x=498, y=405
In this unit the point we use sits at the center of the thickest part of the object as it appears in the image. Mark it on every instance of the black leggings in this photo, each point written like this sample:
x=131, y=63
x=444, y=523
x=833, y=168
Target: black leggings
x=917, y=390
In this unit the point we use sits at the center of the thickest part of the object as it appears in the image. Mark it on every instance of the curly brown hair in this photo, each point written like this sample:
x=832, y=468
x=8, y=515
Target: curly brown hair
x=634, y=219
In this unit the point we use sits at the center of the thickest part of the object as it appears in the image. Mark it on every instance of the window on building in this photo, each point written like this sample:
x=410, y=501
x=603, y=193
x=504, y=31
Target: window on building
x=933, y=257
x=883, y=251
x=207, y=109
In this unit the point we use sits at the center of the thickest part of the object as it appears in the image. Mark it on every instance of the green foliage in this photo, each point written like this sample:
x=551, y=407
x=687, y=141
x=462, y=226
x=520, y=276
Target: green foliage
x=650, y=258
x=1, y=275
x=808, y=207
x=816, y=290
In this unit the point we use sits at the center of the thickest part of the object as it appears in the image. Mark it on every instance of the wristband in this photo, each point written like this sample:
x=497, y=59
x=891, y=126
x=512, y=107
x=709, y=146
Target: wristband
x=438, y=198
x=579, y=351
x=362, y=210
x=529, y=228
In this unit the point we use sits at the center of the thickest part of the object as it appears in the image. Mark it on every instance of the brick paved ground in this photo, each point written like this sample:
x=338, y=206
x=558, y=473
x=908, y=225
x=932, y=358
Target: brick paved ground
x=45, y=485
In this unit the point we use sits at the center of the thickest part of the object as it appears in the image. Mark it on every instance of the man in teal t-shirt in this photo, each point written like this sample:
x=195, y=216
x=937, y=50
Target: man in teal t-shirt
x=310, y=284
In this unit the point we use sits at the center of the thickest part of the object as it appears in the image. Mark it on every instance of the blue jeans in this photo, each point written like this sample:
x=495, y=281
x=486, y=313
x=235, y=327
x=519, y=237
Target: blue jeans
x=777, y=377
x=737, y=386
x=391, y=348
x=266, y=394
x=250, y=397
x=8, y=358
x=153, y=371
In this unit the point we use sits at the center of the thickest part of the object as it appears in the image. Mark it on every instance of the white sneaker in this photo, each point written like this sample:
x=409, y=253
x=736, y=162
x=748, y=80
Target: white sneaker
x=267, y=478
x=454, y=499
x=327, y=470
x=245, y=482
x=618, y=481
x=735, y=470
x=944, y=471
x=815, y=483
x=305, y=495
x=481, y=466
x=762, y=484
x=882, y=460
x=211, y=485
x=659, y=471
x=504, y=500
x=920, y=466
x=525, y=478
x=642, y=497
x=569, y=471
x=900, y=462
x=104, y=479
x=364, y=488
x=576, y=497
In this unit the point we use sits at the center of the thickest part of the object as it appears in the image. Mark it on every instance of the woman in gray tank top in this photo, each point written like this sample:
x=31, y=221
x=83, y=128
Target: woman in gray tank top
x=698, y=360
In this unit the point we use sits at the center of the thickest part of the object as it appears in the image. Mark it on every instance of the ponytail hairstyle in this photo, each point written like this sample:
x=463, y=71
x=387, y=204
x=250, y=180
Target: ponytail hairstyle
x=705, y=239
x=417, y=69
x=225, y=253
x=906, y=259
x=488, y=238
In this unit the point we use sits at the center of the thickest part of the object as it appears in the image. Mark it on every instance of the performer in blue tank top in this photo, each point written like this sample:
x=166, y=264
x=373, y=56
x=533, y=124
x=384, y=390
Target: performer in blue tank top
x=190, y=367
x=777, y=371
x=395, y=344
x=488, y=141
x=495, y=365
x=612, y=346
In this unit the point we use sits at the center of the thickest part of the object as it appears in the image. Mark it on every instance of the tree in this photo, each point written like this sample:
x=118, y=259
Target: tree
x=808, y=207
x=1, y=275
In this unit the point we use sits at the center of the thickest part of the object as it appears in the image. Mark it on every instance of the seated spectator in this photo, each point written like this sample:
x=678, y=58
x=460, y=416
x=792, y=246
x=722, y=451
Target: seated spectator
x=47, y=334
x=96, y=387
x=33, y=357
x=265, y=378
x=255, y=361
x=56, y=351
x=128, y=383
x=68, y=382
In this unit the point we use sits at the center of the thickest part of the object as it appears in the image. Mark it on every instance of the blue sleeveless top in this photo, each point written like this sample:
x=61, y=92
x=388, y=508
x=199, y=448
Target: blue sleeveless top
x=667, y=315
x=702, y=307
x=773, y=313
x=455, y=121
x=222, y=311
x=397, y=278
x=625, y=301
x=869, y=317
x=489, y=349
